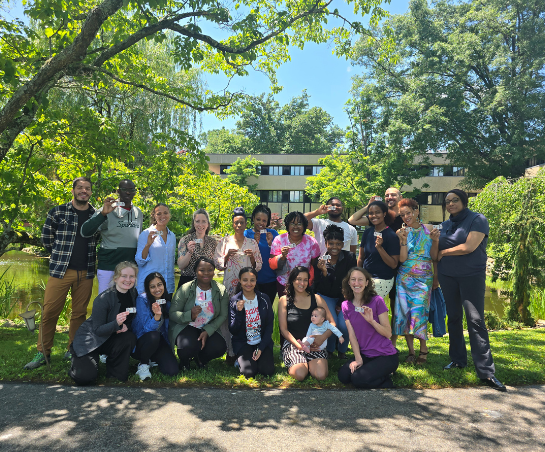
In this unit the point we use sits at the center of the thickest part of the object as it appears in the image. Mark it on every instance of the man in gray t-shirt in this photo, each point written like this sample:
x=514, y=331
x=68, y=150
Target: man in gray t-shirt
x=334, y=209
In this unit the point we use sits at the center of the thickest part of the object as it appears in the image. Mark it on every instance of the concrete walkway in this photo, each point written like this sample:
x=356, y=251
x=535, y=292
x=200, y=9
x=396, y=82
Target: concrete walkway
x=43, y=418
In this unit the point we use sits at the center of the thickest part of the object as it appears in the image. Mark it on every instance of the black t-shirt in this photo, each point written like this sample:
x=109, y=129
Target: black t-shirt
x=126, y=302
x=397, y=224
x=80, y=252
x=298, y=319
x=372, y=261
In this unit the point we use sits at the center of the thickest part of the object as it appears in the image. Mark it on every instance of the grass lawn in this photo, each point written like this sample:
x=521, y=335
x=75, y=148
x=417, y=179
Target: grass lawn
x=519, y=357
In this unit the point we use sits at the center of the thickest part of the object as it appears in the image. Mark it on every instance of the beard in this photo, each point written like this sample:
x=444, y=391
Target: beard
x=81, y=202
x=335, y=215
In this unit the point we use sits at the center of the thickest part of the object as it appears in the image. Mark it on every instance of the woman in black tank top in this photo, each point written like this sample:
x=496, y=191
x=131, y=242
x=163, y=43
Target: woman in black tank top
x=294, y=311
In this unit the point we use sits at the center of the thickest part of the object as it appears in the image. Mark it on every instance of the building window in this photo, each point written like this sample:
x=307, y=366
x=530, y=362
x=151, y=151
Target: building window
x=458, y=171
x=437, y=198
x=223, y=168
x=436, y=171
x=297, y=171
x=422, y=199
x=296, y=196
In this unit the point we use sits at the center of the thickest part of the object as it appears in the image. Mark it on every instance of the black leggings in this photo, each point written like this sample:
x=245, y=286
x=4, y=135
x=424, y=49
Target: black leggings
x=374, y=373
x=118, y=347
x=189, y=346
x=152, y=346
x=268, y=289
x=250, y=368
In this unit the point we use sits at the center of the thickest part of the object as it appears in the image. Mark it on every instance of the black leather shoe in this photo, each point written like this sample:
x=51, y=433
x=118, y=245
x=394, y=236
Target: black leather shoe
x=494, y=383
x=453, y=365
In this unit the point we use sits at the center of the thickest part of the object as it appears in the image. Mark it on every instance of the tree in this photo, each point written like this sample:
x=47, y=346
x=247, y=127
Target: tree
x=515, y=211
x=468, y=79
x=93, y=43
x=223, y=141
x=242, y=169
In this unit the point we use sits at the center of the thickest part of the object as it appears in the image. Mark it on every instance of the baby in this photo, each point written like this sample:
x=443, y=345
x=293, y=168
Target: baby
x=318, y=327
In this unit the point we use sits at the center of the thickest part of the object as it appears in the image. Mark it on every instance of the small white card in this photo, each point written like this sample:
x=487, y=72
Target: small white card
x=161, y=301
x=377, y=234
x=131, y=310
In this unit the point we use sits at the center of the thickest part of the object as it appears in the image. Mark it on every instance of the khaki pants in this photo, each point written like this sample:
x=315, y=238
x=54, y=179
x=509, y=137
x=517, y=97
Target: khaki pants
x=56, y=291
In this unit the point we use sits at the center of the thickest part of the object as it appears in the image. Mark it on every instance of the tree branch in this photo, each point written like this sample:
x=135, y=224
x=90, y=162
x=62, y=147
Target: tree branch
x=154, y=91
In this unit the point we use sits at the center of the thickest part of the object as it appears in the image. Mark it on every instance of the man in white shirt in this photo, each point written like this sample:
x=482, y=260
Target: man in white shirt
x=334, y=209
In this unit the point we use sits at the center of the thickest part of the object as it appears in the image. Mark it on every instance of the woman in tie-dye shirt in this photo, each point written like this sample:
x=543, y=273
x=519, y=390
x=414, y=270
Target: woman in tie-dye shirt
x=292, y=249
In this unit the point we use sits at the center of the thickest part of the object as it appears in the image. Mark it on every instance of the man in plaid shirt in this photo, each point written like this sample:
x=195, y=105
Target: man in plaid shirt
x=71, y=266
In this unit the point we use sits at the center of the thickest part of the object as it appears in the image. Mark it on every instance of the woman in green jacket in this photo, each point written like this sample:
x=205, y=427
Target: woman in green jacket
x=198, y=309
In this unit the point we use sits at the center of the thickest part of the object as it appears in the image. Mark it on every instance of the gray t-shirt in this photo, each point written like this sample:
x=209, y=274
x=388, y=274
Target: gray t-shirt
x=350, y=233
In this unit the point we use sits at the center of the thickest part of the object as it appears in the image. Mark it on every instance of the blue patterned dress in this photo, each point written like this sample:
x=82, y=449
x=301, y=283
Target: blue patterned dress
x=413, y=286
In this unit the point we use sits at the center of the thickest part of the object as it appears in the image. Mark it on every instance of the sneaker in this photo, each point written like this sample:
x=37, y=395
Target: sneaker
x=37, y=361
x=103, y=358
x=152, y=364
x=143, y=371
x=68, y=356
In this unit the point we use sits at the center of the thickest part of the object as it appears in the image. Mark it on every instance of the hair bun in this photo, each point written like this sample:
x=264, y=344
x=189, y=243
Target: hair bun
x=239, y=212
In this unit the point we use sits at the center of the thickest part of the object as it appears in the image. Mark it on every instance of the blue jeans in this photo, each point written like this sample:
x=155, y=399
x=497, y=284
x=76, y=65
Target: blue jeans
x=341, y=324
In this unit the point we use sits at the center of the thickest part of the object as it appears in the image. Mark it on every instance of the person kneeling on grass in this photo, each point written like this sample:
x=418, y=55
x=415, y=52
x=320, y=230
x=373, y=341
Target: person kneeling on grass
x=319, y=325
x=107, y=331
x=197, y=311
x=151, y=328
x=369, y=330
x=251, y=325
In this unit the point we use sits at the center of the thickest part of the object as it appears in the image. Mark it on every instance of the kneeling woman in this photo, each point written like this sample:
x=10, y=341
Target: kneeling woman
x=294, y=317
x=151, y=328
x=107, y=331
x=251, y=321
x=198, y=309
x=369, y=330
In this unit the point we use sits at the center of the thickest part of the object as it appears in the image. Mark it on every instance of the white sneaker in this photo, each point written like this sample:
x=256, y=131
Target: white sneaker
x=152, y=364
x=143, y=371
x=103, y=358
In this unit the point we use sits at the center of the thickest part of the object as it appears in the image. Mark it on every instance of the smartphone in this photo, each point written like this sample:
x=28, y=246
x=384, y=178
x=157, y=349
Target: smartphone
x=377, y=234
x=161, y=301
x=131, y=310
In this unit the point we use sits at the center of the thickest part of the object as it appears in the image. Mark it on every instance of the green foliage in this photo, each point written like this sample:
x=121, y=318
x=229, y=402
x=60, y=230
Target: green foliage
x=515, y=211
x=7, y=290
x=242, y=169
x=468, y=78
x=267, y=128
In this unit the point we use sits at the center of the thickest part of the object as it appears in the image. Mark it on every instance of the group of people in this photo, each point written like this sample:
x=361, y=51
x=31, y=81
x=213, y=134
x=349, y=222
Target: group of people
x=328, y=298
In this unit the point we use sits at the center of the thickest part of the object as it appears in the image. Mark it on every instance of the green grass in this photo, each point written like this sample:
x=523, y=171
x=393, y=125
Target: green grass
x=519, y=357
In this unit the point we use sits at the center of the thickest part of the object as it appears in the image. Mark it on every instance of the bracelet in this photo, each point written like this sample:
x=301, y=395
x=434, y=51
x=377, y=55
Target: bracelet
x=403, y=244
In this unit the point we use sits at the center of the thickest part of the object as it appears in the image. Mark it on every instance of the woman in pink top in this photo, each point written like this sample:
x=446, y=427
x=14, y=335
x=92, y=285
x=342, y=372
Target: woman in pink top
x=369, y=331
x=292, y=249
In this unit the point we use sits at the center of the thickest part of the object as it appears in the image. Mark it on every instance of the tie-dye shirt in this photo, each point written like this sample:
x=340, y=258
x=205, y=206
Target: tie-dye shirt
x=302, y=254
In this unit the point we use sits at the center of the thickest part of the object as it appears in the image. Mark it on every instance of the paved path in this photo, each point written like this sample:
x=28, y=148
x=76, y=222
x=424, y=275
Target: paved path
x=44, y=418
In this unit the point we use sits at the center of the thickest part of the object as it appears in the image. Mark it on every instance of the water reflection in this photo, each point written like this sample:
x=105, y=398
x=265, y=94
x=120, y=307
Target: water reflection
x=30, y=272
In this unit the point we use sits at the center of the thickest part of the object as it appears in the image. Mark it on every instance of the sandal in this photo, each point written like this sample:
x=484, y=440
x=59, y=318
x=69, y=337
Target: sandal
x=410, y=359
x=421, y=360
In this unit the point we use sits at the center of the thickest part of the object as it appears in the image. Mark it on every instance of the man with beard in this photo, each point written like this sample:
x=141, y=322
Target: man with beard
x=334, y=209
x=392, y=198
x=71, y=267
x=119, y=226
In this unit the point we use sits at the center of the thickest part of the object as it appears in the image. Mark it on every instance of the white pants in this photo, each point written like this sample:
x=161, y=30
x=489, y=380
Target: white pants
x=383, y=286
x=104, y=279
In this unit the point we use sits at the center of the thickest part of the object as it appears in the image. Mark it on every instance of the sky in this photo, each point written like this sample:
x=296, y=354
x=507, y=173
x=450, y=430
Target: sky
x=326, y=78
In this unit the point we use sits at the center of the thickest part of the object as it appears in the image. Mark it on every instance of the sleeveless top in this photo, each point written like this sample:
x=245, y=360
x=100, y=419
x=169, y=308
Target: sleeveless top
x=299, y=319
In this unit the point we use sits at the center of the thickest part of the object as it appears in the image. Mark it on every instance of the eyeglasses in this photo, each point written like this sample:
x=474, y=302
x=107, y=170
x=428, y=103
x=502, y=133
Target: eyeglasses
x=452, y=201
x=128, y=190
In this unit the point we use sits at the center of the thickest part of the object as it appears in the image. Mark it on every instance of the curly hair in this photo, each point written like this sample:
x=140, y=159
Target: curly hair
x=290, y=290
x=296, y=215
x=333, y=232
x=369, y=291
x=408, y=202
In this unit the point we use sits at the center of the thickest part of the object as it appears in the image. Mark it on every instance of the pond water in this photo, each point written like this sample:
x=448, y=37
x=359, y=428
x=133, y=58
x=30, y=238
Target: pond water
x=30, y=272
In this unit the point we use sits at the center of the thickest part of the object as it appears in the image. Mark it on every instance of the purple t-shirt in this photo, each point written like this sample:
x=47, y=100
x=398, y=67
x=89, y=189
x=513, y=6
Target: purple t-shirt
x=372, y=344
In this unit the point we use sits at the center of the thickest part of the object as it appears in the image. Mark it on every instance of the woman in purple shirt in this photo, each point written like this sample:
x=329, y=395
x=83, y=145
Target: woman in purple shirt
x=369, y=331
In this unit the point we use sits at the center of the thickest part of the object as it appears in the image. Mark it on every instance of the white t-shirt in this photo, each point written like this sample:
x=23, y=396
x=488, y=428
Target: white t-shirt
x=350, y=233
x=253, y=321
